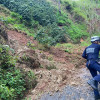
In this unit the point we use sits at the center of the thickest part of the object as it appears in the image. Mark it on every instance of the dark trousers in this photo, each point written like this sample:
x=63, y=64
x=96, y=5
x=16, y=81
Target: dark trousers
x=97, y=78
x=93, y=67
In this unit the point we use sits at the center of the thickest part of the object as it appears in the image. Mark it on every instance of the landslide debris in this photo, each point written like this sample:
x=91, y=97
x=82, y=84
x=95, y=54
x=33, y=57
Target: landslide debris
x=53, y=68
x=28, y=58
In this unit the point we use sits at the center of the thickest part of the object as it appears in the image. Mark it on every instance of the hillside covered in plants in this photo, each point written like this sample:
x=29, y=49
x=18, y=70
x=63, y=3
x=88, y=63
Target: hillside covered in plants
x=56, y=20
x=41, y=42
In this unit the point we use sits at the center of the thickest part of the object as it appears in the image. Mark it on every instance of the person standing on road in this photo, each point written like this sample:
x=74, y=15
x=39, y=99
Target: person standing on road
x=91, y=53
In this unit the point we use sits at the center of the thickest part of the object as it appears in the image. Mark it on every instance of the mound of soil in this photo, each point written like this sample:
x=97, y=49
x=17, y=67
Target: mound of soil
x=29, y=58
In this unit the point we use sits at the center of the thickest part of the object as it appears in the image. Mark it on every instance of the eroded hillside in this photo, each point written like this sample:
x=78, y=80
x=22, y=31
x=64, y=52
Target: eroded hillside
x=50, y=68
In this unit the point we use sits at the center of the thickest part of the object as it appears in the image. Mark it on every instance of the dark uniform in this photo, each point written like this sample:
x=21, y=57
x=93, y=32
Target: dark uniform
x=97, y=78
x=91, y=53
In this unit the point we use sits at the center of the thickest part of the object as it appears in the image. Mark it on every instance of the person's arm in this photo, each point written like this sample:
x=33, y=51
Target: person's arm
x=99, y=53
x=84, y=54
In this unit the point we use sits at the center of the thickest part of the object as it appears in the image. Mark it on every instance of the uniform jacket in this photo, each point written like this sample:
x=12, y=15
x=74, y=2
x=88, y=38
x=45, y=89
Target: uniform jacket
x=91, y=52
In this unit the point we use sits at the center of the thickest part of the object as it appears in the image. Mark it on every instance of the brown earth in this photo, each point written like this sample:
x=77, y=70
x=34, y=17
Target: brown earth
x=65, y=65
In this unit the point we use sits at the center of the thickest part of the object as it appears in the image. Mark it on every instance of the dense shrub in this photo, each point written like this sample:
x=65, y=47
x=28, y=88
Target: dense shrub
x=76, y=32
x=6, y=60
x=62, y=19
x=13, y=81
x=39, y=10
x=51, y=35
x=16, y=16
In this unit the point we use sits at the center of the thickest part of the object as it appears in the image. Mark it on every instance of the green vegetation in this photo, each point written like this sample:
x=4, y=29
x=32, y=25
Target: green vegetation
x=49, y=25
x=39, y=16
x=67, y=47
x=84, y=11
x=38, y=10
x=13, y=81
x=14, y=21
x=76, y=32
x=51, y=35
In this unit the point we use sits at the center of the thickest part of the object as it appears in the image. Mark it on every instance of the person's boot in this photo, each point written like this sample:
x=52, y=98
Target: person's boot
x=97, y=97
x=92, y=83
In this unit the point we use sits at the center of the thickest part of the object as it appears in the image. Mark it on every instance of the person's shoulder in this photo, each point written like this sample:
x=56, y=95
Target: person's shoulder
x=97, y=45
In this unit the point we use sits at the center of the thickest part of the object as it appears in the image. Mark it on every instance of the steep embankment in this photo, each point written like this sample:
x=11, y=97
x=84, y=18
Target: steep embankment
x=55, y=67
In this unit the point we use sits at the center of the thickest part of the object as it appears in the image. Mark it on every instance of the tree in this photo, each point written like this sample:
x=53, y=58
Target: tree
x=93, y=18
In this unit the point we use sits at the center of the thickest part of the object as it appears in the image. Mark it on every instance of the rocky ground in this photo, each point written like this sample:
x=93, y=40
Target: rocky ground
x=67, y=79
x=78, y=89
